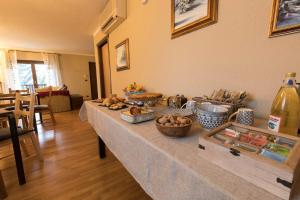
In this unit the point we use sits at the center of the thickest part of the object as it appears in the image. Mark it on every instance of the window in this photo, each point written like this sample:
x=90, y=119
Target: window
x=32, y=74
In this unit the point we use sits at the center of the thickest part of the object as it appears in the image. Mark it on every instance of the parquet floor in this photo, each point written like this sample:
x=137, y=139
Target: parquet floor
x=71, y=168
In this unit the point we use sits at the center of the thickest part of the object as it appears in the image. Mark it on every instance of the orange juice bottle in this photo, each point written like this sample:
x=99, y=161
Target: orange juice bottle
x=285, y=111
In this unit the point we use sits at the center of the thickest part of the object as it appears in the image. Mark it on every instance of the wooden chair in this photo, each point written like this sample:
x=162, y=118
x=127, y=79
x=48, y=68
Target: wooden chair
x=6, y=104
x=46, y=109
x=27, y=116
x=11, y=91
x=7, y=100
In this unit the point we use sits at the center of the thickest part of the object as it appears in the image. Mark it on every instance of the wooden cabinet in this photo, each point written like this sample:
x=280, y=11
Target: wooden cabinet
x=76, y=101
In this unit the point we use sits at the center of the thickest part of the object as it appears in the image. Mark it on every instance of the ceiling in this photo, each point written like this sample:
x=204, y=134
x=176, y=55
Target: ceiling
x=62, y=26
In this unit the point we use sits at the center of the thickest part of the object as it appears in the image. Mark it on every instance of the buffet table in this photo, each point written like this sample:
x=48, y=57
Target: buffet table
x=168, y=168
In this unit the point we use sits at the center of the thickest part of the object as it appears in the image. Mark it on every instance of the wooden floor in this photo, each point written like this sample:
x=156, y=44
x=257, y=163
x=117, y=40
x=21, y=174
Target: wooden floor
x=71, y=169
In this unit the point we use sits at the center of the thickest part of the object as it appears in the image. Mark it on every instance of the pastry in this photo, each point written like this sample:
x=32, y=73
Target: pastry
x=173, y=121
x=117, y=106
x=135, y=110
x=145, y=96
x=111, y=100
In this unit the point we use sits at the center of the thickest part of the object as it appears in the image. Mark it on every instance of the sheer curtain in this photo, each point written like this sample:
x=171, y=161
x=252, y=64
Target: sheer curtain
x=9, y=72
x=2, y=70
x=54, y=71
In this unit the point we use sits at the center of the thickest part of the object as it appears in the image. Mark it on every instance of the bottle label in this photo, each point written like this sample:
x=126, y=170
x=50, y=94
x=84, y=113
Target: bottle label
x=274, y=123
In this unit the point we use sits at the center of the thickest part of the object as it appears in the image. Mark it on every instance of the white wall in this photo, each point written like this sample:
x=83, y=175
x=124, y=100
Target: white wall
x=73, y=68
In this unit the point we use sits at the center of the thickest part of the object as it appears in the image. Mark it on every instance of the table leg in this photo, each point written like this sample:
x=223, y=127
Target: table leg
x=34, y=124
x=101, y=148
x=40, y=113
x=17, y=151
x=3, y=192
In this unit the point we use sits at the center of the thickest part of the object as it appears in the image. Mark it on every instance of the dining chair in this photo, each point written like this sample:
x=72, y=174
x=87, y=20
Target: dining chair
x=6, y=100
x=11, y=91
x=26, y=114
x=46, y=108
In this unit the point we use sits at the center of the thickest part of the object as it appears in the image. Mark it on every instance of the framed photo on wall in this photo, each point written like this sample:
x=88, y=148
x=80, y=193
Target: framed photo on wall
x=190, y=15
x=285, y=17
x=122, y=55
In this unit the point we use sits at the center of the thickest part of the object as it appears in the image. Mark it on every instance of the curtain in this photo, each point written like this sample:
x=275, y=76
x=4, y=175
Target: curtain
x=12, y=72
x=8, y=71
x=2, y=70
x=54, y=71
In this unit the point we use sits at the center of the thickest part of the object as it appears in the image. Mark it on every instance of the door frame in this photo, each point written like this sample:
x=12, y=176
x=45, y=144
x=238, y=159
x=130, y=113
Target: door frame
x=101, y=66
x=93, y=96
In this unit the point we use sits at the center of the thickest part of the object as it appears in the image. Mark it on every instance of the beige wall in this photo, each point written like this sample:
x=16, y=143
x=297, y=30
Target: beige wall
x=73, y=68
x=234, y=53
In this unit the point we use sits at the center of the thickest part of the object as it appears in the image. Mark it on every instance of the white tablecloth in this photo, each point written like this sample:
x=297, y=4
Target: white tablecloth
x=168, y=168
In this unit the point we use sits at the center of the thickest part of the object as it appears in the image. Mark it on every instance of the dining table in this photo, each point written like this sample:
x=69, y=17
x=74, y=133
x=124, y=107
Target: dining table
x=165, y=167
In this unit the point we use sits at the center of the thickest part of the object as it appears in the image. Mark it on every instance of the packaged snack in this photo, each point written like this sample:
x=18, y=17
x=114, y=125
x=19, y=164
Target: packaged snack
x=278, y=149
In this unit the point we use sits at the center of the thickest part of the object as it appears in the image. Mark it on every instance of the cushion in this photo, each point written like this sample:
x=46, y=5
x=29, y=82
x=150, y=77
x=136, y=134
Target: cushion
x=40, y=107
x=45, y=89
x=54, y=88
x=13, y=107
x=5, y=133
x=64, y=87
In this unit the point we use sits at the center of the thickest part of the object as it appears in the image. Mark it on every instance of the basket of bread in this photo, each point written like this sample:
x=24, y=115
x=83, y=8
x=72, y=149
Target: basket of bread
x=174, y=126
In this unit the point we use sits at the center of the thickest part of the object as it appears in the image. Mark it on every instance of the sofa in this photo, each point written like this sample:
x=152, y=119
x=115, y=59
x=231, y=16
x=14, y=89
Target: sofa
x=60, y=99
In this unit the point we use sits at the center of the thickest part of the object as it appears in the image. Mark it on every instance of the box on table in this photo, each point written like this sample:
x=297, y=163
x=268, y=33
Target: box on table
x=267, y=159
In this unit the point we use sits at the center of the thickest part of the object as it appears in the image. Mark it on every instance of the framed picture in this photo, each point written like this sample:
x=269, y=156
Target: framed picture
x=285, y=17
x=123, y=61
x=190, y=15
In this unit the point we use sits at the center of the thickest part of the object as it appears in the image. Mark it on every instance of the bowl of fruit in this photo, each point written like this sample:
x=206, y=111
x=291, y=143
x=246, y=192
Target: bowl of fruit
x=133, y=88
x=173, y=126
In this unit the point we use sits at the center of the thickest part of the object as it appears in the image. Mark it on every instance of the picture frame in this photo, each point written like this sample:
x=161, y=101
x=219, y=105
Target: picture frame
x=122, y=55
x=191, y=15
x=285, y=18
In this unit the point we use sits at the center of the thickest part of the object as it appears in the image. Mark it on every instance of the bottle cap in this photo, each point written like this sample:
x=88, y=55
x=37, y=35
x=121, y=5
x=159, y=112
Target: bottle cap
x=291, y=74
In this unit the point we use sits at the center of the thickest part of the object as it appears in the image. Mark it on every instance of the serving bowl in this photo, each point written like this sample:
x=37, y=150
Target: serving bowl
x=174, y=131
x=212, y=109
x=211, y=116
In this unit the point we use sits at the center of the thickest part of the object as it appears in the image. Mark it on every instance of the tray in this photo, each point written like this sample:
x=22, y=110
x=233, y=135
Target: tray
x=252, y=157
x=125, y=106
x=134, y=119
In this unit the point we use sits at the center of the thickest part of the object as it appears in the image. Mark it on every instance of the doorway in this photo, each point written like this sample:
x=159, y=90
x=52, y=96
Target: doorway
x=93, y=80
x=104, y=65
x=32, y=74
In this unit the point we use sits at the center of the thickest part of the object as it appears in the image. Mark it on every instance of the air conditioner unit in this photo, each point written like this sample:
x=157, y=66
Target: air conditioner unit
x=113, y=15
